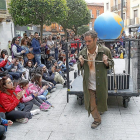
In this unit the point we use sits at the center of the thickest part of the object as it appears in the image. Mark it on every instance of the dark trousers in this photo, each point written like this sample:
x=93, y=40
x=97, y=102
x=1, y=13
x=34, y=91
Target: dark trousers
x=37, y=101
x=14, y=114
x=2, y=128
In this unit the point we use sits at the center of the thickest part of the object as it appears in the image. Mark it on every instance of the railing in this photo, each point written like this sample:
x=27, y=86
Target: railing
x=114, y=8
x=135, y=21
x=118, y=7
x=132, y=21
x=124, y=5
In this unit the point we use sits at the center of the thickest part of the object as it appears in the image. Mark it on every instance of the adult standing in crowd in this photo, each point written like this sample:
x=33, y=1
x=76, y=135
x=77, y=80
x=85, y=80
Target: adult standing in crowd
x=36, y=48
x=24, y=46
x=51, y=46
x=16, y=49
x=95, y=76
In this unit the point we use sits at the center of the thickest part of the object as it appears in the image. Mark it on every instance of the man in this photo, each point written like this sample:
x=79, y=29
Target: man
x=95, y=59
x=51, y=46
x=36, y=48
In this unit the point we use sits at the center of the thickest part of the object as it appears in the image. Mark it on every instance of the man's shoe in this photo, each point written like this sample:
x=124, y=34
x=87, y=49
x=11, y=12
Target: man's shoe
x=95, y=124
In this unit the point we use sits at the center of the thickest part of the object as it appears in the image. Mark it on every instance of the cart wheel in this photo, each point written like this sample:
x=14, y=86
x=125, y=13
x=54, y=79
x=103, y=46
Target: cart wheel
x=125, y=103
x=80, y=101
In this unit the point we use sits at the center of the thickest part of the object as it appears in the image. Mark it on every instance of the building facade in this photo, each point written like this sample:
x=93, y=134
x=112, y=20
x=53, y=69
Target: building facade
x=131, y=13
x=6, y=25
x=95, y=9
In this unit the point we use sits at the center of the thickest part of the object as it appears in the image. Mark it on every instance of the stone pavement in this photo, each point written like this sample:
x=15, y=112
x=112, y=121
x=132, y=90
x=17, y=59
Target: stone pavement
x=70, y=121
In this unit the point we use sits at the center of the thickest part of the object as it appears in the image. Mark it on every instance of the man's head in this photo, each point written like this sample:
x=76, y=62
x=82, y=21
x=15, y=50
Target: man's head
x=44, y=69
x=36, y=35
x=90, y=39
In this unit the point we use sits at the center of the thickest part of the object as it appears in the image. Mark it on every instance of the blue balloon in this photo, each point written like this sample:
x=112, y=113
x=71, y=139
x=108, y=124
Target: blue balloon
x=109, y=26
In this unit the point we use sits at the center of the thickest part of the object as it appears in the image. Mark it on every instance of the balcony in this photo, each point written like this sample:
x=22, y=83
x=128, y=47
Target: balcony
x=114, y=8
x=118, y=7
x=124, y=5
x=135, y=21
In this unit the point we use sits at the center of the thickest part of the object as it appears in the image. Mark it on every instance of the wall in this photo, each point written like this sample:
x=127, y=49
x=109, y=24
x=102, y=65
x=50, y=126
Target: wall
x=6, y=34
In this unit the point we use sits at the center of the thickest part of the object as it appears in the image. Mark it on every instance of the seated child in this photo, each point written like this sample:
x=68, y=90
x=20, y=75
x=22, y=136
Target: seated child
x=31, y=95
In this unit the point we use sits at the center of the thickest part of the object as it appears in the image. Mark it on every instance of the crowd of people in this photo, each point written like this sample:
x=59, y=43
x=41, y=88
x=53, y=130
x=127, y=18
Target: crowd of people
x=32, y=74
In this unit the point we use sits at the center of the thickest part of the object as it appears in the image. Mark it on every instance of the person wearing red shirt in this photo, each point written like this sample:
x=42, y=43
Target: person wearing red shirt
x=9, y=100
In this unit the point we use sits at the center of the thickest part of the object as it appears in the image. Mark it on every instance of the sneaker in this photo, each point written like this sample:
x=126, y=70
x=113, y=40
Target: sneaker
x=46, y=104
x=34, y=112
x=48, y=96
x=44, y=107
x=53, y=90
x=23, y=120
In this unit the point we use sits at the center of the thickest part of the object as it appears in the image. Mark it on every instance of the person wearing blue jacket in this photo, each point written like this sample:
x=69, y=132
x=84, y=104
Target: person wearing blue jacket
x=36, y=48
x=3, y=125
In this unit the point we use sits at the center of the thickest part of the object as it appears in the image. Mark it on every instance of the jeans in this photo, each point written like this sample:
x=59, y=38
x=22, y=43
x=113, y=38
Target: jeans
x=15, y=75
x=43, y=96
x=38, y=58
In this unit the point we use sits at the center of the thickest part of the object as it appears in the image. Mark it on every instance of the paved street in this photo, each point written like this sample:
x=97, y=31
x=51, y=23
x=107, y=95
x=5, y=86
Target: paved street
x=70, y=121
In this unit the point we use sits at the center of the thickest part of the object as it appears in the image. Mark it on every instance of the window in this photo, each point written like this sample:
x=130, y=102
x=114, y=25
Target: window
x=115, y=2
x=124, y=16
x=90, y=13
x=98, y=12
x=135, y=13
x=107, y=6
x=90, y=26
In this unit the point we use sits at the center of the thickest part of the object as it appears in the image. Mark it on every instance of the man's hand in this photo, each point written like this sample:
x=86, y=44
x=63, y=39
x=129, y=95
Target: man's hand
x=81, y=59
x=105, y=59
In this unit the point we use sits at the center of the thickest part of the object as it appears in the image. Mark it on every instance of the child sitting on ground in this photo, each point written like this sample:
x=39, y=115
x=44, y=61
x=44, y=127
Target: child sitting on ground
x=31, y=95
x=36, y=86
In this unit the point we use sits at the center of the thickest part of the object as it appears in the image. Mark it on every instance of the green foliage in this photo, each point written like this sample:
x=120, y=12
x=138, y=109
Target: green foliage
x=82, y=29
x=78, y=15
x=37, y=12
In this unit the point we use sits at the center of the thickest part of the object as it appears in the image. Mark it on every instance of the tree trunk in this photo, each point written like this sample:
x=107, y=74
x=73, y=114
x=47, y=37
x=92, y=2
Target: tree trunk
x=66, y=34
x=41, y=31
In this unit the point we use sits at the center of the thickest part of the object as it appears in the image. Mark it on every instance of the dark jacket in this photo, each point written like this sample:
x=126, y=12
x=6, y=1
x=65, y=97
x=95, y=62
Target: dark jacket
x=36, y=46
x=48, y=76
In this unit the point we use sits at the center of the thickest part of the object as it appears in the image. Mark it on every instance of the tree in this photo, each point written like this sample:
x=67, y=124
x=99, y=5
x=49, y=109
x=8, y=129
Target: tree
x=82, y=29
x=78, y=15
x=37, y=12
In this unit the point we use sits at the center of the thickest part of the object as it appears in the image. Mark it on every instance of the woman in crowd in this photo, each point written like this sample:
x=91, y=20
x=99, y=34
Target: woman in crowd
x=16, y=49
x=24, y=46
x=10, y=99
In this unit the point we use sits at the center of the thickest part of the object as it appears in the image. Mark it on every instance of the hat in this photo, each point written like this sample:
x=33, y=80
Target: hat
x=41, y=65
x=53, y=61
